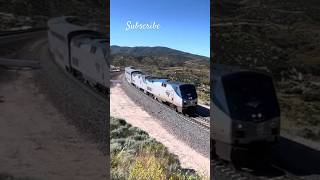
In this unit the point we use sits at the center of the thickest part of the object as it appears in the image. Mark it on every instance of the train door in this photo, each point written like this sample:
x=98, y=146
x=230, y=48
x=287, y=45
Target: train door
x=140, y=81
x=163, y=93
x=171, y=96
x=98, y=56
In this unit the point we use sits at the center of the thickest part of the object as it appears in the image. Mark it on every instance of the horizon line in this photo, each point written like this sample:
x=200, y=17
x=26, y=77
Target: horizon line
x=163, y=47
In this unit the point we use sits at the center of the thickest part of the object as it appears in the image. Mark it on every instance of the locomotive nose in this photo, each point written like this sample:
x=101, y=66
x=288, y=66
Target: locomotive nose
x=191, y=102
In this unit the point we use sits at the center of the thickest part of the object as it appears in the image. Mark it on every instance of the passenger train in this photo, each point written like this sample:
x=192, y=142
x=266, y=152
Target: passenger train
x=181, y=96
x=245, y=115
x=80, y=51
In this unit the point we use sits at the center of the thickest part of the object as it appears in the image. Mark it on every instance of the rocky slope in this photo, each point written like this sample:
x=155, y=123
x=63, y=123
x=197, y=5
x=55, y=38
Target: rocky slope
x=34, y=13
x=166, y=62
x=282, y=36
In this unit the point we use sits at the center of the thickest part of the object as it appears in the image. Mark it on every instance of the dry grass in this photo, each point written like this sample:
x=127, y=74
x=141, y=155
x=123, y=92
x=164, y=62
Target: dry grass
x=136, y=156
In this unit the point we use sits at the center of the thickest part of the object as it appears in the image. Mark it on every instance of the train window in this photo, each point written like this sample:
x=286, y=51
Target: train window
x=99, y=52
x=58, y=36
x=86, y=47
x=188, y=91
x=105, y=52
x=60, y=56
x=93, y=49
x=77, y=44
x=75, y=61
x=248, y=93
x=176, y=89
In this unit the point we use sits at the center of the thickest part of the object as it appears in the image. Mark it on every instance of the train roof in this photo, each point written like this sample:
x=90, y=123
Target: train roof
x=100, y=42
x=157, y=79
x=177, y=83
x=166, y=80
x=153, y=77
x=220, y=70
x=62, y=26
x=131, y=70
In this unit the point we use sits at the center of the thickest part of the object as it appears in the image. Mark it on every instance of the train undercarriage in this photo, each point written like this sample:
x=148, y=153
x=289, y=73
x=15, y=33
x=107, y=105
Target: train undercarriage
x=255, y=154
x=78, y=75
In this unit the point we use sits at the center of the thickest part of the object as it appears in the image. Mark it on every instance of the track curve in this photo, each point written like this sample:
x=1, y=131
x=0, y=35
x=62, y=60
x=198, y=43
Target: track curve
x=194, y=133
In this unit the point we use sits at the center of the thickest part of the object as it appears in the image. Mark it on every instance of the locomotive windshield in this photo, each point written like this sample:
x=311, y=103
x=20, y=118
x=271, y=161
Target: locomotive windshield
x=188, y=91
x=251, y=96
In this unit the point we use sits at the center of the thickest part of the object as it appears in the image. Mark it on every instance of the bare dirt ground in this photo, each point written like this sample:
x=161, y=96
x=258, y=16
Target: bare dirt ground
x=121, y=106
x=35, y=139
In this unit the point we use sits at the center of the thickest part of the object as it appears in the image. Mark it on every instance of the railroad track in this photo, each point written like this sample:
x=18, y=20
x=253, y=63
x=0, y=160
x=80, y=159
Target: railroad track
x=9, y=33
x=9, y=37
x=227, y=171
x=198, y=120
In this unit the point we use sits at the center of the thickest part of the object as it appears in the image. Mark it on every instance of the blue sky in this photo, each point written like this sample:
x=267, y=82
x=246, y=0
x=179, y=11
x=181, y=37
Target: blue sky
x=184, y=24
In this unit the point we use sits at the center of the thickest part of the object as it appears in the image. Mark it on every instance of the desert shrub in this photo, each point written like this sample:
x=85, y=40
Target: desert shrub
x=147, y=167
x=183, y=176
x=115, y=147
x=140, y=137
x=308, y=133
x=6, y=176
x=135, y=155
x=118, y=175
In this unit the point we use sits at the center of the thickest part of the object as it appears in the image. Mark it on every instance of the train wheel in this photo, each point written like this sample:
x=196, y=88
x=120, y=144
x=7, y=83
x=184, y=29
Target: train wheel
x=193, y=111
x=174, y=107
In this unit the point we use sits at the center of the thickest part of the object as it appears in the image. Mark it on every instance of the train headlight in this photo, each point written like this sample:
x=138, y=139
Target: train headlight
x=240, y=126
x=259, y=115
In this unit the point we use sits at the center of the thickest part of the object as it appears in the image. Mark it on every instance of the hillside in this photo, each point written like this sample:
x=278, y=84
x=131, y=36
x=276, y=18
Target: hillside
x=155, y=51
x=282, y=36
x=34, y=13
x=166, y=62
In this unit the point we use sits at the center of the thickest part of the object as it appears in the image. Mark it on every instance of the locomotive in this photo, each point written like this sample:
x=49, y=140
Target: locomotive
x=80, y=51
x=245, y=115
x=180, y=96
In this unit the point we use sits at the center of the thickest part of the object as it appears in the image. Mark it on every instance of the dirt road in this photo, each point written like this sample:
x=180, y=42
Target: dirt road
x=36, y=140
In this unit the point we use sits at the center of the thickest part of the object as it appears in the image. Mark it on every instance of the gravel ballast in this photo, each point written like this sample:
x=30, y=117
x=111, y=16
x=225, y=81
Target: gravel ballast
x=88, y=112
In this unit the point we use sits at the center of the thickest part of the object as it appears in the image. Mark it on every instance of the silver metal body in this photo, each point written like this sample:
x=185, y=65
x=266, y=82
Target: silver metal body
x=164, y=90
x=241, y=119
x=80, y=50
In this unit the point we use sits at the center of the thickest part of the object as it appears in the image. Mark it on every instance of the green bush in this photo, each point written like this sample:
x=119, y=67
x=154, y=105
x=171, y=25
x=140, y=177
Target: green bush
x=147, y=167
x=136, y=156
